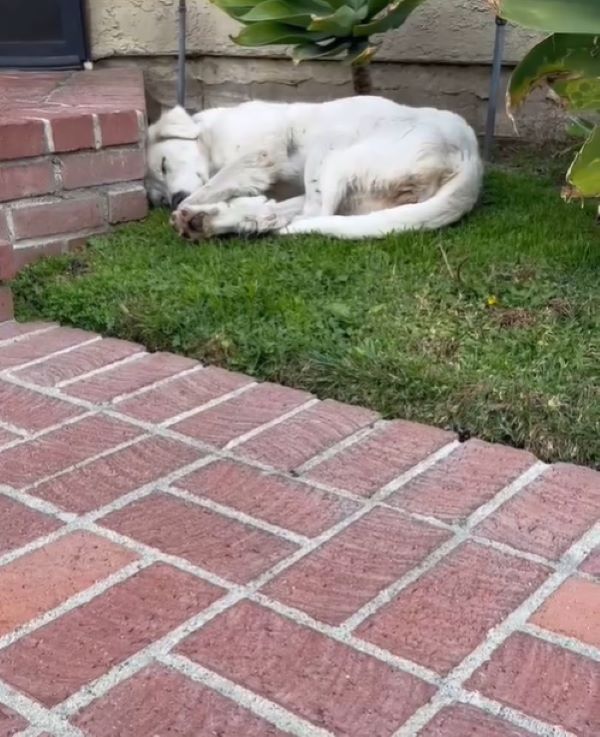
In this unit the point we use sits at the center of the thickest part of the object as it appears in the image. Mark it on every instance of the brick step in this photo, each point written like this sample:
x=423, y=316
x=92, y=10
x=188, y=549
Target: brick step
x=71, y=161
x=47, y=226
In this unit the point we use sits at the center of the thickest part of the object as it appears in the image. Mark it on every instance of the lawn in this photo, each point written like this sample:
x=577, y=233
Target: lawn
x=491, y=327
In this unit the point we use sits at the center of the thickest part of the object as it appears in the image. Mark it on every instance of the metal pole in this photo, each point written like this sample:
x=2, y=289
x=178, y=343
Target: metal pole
x=182, y=54
x=490, y=127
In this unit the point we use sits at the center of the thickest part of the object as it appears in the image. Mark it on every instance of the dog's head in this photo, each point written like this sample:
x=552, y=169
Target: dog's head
x=177, y=160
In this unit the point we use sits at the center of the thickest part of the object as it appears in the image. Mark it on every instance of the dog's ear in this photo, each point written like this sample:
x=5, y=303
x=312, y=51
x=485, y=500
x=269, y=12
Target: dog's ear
x=175, y=123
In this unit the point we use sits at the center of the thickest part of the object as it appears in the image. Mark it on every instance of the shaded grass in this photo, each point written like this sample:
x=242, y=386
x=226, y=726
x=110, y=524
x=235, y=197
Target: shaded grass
x=491, y=327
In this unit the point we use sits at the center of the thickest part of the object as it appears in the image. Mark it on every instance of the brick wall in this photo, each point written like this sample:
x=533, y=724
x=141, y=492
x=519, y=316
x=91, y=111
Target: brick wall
x=71, y=162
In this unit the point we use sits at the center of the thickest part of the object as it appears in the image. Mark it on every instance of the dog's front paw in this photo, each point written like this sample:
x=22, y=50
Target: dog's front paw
x=195, y=223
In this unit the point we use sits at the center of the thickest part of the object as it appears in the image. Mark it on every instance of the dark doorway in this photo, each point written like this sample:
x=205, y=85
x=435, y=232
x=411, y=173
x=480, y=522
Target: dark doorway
x=42, y=34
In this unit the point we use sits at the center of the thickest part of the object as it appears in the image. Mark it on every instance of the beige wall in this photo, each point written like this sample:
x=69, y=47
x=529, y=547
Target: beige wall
x=439, y=31
x=440, y=57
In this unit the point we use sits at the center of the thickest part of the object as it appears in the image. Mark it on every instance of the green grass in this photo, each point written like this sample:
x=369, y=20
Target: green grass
x=403, y=326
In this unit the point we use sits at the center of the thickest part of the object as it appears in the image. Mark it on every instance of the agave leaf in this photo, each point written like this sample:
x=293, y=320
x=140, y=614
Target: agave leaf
x=226, y=4
x=396, y=15
x=584, y=175
x=294, y=12
x=271, y=32
x=553, y=16
x=338, y=24
x=376, y=6
x=361, y=54
x=308, y=51
x=570, y=63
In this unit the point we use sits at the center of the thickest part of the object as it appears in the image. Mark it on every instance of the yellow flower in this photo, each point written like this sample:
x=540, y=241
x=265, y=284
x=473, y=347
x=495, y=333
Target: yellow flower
x=492, y=300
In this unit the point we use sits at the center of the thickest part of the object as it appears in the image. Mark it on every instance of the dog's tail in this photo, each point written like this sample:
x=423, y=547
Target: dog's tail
x=454, y=199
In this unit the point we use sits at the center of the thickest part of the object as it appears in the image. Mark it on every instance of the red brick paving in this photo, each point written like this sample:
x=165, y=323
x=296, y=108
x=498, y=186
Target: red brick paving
x=159, y=701
x=546, y=681
x=345, y=599
x=574, y=611
x=44, y=578
x=442, y=617
x=369, y=464
x=202, y=537
x=274, y=499
x=10, y=723
x=295, y=666
x=591, y=564
x=456, y=486
x=344, y=574
x=464, y=721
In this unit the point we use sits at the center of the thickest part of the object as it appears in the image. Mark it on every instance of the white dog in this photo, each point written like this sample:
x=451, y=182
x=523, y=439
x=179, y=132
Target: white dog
x=362, y=167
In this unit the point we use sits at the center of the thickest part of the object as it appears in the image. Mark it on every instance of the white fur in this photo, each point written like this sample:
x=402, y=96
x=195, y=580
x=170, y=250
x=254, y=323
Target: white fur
x=367, y=166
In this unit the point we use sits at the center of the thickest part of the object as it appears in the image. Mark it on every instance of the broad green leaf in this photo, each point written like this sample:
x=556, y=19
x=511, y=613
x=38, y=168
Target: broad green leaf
x=337, y=24
x=376, y=6
x=294, y=12
x=396, y=15
x=570, y=63
x=584, y=174
x=226, y=4
x=266, y=33
x=553, y=16
x=308, y=51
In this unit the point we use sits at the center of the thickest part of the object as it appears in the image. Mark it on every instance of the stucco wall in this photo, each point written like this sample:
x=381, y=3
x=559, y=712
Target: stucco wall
x=439, y=31
x=440, y=57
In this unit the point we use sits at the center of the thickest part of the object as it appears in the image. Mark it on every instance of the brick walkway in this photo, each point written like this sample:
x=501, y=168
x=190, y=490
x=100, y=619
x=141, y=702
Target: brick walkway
x=184, y=552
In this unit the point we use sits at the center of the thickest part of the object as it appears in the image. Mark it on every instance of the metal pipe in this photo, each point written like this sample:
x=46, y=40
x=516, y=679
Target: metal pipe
x=181, y=75
x=490, y=127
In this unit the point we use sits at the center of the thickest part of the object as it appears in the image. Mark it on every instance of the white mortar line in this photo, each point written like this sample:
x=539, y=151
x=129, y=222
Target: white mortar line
x=343, y=444
x=39, y=505
x=207, y=405
x=75, y=601
x=87, y=461
x=48, y=135
x=142, y=491
x=23, y=336
x=39, y=542
x=35, y=713
x=9, y=427
x=271, y=712
x=101, y=369
x=41, y=359
x=29, y=732
x=155, y=384
x=504, y=548
x=50, y=429
x=386, y=595
x=342, y=635
x=513, y=716
x=451, y=688
x=129, y=667
x=567, y=643
x=158, y=556
x=509, y=491
x=454, y=682
x=236, y=515
x=416, y=470
x=272, y=423
x=97, y=131
x=497, y=635
x=49, y=391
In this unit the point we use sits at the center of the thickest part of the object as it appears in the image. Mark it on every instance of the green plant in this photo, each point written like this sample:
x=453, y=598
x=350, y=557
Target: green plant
x=320, y=29
x=569, y=62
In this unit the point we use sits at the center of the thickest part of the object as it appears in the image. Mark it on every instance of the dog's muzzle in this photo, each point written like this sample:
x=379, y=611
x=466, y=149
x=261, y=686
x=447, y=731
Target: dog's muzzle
x=177, y=199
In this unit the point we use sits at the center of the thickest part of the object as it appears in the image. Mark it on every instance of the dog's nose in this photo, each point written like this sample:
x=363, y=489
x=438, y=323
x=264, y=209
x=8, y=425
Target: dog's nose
x=177, y=199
